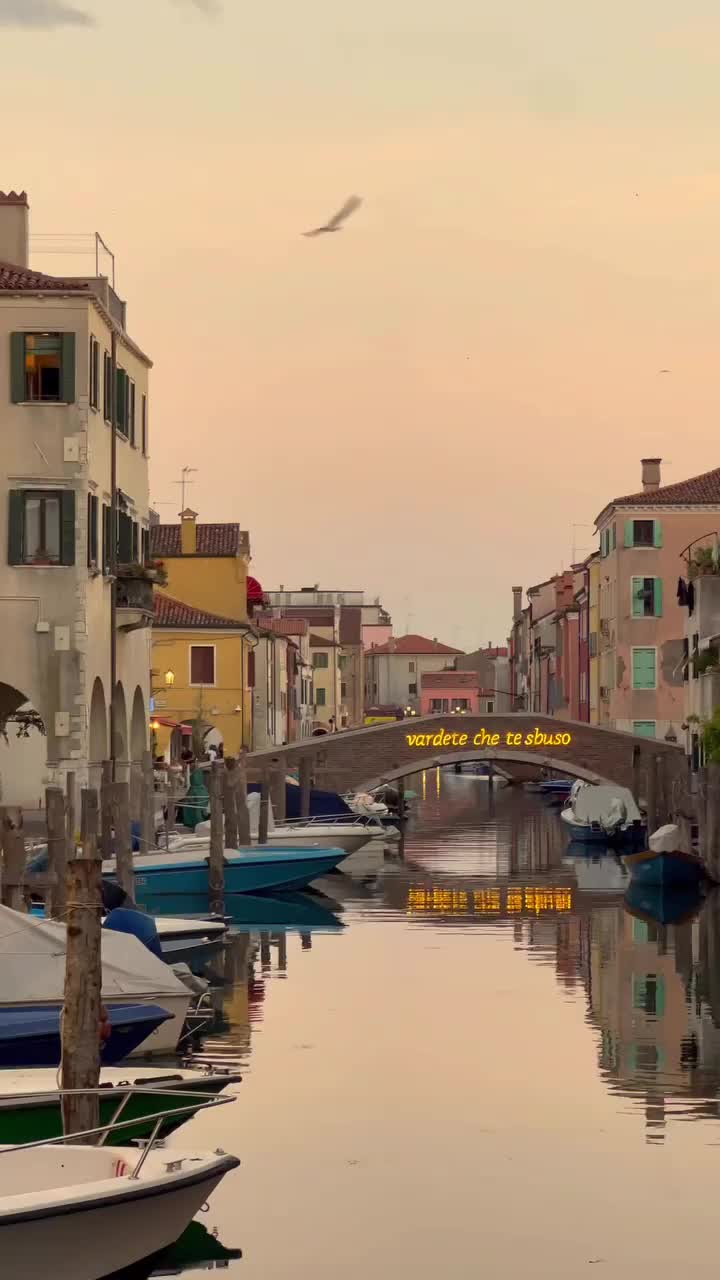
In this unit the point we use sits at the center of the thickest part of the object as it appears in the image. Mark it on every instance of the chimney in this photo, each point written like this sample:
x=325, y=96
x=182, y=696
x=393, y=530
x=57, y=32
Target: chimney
x=14, y=218
x=188, y=532
x=650, y=474
x=517, y=602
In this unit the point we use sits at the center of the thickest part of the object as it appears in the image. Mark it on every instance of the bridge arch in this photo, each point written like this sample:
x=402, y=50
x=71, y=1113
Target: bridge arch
x=556, y=763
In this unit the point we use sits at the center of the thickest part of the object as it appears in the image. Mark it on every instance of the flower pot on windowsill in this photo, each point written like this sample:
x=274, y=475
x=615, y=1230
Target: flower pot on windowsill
x=41, y=561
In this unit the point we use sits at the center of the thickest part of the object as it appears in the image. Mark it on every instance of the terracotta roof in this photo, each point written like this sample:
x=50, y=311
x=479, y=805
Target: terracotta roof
x=446, y=679
x=174, y=613
x=319, y=642
x=16, y=279
x=282, y=626
x=699, y=491
x=412, y=645
x=212, y=540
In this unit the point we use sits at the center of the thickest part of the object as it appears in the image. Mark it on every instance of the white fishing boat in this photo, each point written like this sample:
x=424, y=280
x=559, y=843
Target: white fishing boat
x=32, y=972
x=76, y=1212
x=299, y=833
x=602, y=814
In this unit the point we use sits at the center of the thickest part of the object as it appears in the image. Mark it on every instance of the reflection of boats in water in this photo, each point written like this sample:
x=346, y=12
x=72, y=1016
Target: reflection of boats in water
x=197, y=1249
x=596, y=874
x=655, y=904
x=247, y=914
x=664, y=862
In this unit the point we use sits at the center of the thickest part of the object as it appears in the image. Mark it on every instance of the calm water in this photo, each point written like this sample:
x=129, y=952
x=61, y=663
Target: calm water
x=481, y=1063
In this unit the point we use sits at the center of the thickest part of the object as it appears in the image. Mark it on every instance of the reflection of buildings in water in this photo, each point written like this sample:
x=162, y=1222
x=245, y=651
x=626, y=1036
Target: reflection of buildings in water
x=239, y=1003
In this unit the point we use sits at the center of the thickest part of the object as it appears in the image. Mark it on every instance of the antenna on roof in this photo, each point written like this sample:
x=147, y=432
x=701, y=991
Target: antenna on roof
x=185, y=483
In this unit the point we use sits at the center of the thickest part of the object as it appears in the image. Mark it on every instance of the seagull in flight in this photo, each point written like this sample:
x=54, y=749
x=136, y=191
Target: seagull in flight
x=335, y=223
x=664, y=370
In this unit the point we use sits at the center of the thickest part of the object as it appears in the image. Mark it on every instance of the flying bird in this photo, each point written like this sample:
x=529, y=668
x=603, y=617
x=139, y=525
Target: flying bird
x=335, y=223
x=664, y=370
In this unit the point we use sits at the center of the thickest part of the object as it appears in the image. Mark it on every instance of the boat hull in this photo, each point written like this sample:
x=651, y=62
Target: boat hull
x=86, y=1240
x=251, y=872
x=664, y=869
x=30, y=1034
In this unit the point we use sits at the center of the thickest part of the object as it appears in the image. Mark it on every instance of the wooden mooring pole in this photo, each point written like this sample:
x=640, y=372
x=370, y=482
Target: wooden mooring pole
x=277, y=790
x=106, y=810
x=264, y=807
x=147, y=805
x=651, y=794
x=80, y=1066
x=57, y=850
x=230, y=799
x=120, y=810
x=13, y=858
x=305, y=772
x=216, y=861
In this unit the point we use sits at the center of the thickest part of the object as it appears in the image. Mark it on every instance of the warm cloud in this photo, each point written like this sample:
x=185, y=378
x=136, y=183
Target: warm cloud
x=211, y=8
x=42, y=13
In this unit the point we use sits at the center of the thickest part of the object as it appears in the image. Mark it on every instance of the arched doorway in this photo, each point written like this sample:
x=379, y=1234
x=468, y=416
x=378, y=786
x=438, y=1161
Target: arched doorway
x=98, y=743
x=138, y=747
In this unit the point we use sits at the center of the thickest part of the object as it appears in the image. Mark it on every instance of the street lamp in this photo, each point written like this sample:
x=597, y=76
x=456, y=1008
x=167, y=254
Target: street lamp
x=154, y=725
x=169, y=679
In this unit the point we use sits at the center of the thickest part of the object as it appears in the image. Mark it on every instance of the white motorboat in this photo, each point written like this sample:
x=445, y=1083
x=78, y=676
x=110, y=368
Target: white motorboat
x=78, y=1212
x=602, y=813
x=299, y=833
x=362, y=802
x=32, y=972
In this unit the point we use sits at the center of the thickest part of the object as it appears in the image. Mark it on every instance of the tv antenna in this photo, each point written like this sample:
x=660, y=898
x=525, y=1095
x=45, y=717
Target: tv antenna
x=185, y=483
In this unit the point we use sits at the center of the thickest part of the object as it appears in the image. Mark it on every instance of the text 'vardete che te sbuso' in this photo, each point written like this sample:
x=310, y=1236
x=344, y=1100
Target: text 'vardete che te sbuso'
x=484, y=738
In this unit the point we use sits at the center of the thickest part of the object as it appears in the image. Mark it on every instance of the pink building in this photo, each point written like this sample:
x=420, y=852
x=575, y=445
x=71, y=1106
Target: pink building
x=641, y=653
x=449, y=692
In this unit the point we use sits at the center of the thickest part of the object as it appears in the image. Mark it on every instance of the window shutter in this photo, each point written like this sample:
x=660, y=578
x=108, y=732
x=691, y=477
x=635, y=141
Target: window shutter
x=67, y=371
x=124, y=547
x=67, y=525
x=15, y=523
x=629, y=534
x=121, y=401
x=144, y=425
x=613, y=536
x=658, y=597
x=106, y=537
x=638, y=604
x=657, y=533
x=17, y=367
x=131, y=410
x=135, y=529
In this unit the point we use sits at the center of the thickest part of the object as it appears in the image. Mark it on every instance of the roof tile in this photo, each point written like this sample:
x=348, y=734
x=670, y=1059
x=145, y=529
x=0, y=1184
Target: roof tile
x=14, y=279
x=412, y=644
x=702, y=490
x=175, y=613
x=212, y=540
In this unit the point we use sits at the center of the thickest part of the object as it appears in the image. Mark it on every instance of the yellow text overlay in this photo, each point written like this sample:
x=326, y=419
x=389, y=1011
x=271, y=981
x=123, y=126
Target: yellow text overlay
x=484, y=738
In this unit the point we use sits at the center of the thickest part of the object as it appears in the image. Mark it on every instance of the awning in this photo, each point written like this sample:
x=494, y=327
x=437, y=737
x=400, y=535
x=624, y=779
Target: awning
x=172, y=724
x=255, y=592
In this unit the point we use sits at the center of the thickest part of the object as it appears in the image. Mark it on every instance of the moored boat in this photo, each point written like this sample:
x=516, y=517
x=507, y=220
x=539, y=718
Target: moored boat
x=656, y=904
x=663, y=863
x=30, y=1035
x=258, y=870
x=606, y=814
x=30, y=1102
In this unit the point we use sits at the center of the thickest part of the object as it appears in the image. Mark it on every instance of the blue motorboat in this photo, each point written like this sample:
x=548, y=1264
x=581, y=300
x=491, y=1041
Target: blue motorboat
x=30, y=1034
x=261, y=869
x=605, y=815
x=659, y=905
x=663, y=862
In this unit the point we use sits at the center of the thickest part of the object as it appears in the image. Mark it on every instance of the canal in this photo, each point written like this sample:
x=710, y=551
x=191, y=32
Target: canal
x=482, y=1062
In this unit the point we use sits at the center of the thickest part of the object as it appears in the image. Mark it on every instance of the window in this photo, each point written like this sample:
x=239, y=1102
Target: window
x=94, y=374
x=647, y=597
x=438, y=704
x=649, y=994
x=460, y=704
x=342, y=660
x=644, y=728
x=643, y=533
x=106, y=513
x=42, y=367
x=593, y=644
x=144, y=425
x=320, y=659
x=319, y=697
x=122, y=400
x=41, y=526
x=145, y=545
x=412, y=688
x=131, y=410
x=92, y=553
x=411, y=666
x=124, y=544
x=202, y=663
x=643, y=668
x=107, y=387
x=135, y=541
x=490, y=708
x=343, y=689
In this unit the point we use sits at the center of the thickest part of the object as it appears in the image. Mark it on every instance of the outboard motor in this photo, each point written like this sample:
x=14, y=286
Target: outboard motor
x=137, y=923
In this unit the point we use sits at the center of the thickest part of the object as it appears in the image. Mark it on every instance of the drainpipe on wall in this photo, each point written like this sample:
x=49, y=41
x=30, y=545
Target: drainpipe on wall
x=246, y=632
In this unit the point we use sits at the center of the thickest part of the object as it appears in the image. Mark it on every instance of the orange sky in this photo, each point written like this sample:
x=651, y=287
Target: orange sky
x=423, y=405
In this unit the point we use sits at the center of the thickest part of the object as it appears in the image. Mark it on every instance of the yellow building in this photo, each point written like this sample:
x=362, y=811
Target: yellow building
x=593, y=634
x=203, y=643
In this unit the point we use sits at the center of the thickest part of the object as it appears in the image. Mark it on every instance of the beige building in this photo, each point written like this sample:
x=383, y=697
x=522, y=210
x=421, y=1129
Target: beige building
x=394, y=670
x=56, y=336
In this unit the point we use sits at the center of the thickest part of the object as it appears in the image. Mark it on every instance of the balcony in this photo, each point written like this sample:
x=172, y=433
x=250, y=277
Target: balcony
x=134, y=597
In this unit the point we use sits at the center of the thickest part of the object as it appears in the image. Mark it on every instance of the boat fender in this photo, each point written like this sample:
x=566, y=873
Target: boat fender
x=121, y=1169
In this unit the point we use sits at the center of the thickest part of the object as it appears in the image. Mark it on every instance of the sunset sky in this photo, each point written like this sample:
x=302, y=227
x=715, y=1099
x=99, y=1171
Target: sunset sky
x=423, y=405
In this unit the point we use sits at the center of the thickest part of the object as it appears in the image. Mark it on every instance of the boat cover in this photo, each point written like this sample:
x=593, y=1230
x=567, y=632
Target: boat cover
x=666, y=839
x=32, y=963
x=605, y=805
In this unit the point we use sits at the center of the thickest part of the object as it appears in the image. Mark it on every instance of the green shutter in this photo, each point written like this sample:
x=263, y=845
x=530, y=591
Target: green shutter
x=15, y=524
x=17, y=367
x=67, y=369
x=643, y=668
x=613, y=535
x=657, y=533
x=638, y=602
x=121, y=400
x=67, y=526
x=125, y=538
x=629, y=533
x=658, y=597
x=92, y=537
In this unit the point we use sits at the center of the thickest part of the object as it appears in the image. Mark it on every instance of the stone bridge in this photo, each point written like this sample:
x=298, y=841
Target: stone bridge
x=359, y=759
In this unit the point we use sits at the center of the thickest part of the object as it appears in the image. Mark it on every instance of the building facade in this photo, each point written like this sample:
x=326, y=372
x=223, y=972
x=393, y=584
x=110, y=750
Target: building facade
x=394, y=670
x=643, y=537
x=449, y=693
x=56, y=404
